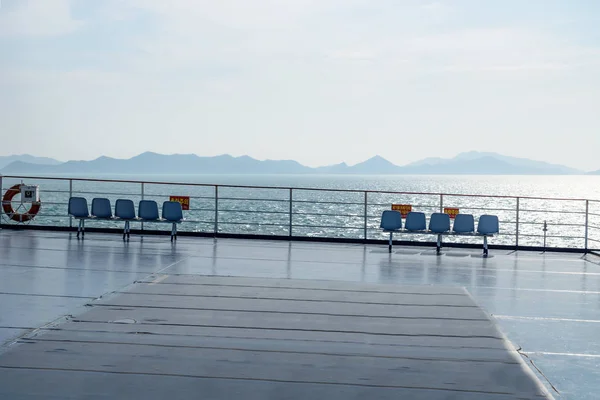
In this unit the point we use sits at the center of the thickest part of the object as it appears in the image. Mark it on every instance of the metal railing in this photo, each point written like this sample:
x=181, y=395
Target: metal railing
x=553, y=223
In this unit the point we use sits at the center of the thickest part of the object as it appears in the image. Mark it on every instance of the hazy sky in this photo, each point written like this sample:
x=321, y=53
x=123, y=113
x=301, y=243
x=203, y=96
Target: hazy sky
x=319, y=81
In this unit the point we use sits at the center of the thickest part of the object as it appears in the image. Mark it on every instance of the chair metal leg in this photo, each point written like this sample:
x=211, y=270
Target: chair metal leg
x=390, y=245
x=485, y=246
x=438, y=249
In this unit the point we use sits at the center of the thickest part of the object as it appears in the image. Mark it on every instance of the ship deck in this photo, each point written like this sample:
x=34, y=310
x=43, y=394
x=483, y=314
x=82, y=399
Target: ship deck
x=101, y=318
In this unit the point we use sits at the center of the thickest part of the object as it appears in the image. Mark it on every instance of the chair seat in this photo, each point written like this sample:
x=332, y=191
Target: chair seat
x=172, y=212
x=160, y=220
x=488, y=225
x=148, y=210
x=416, y=222
x=391, y=221
x=78, y=207
x=474, y=234
x=115, y=218
x=125, y=210
x=111, y=218
x=439, y=223
x=101, y=208
x=464, y=224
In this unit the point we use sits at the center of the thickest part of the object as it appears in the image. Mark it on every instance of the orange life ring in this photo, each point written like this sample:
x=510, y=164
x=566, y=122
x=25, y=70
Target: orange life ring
x=10, y=211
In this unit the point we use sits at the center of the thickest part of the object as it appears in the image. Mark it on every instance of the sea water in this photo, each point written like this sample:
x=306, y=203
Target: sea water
x=342, y=214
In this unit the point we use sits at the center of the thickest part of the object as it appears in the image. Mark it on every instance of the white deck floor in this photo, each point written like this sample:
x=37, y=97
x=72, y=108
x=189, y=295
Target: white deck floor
x=549, y=305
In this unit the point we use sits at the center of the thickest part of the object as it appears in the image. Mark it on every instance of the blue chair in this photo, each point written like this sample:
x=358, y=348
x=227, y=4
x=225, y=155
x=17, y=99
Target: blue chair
x=415, y=222
x=488, y=225
x=172, y=212
x=148, y=210
x=101, y=208
x=391, y=221
x=439, y=223
x=125, y=210
x=464, y=223
x=78, y=209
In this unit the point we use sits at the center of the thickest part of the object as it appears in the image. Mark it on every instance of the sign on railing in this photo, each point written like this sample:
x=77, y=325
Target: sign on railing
x=184, y=200
x=403, y=208
x=451, y=211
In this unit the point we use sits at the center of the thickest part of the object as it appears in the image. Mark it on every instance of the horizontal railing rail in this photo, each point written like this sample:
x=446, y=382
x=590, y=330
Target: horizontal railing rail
x=291, y=187
x=526, y=221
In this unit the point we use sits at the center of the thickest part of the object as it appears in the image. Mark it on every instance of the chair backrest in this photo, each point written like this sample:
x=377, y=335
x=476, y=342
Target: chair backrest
x=78, y=207
x=124, y=209
x=439, y=223
x=415, y=221
x=172, y=211
x=391, y=220
x=488, y=225
x=101, y=208
x=464, y=223
x=148, y=210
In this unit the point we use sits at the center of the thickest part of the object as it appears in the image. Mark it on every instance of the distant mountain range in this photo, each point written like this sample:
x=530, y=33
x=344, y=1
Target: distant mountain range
x=6, y=160
x=475, y=163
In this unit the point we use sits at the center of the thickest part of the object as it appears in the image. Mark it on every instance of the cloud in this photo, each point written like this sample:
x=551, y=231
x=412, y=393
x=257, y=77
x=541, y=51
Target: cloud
x=38, y=18
x=235, y=14
x=235, y=75
x=437, y=11
x=236, y=36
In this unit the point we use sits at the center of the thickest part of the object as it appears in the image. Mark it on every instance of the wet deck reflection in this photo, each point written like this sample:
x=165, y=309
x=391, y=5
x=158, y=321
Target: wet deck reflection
x=549, y=305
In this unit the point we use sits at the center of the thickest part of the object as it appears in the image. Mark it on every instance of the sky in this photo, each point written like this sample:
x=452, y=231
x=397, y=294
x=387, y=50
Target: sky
x=317, y=81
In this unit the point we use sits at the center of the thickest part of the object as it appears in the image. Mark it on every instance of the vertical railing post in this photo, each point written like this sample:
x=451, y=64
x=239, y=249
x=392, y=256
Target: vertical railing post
x=70, y=195
x=216, y=210
x=142, y=184
x=517, y=225
x=1, y=195
x=587, y=217
x=291, y=212
x=441, y=203
x=365, y=216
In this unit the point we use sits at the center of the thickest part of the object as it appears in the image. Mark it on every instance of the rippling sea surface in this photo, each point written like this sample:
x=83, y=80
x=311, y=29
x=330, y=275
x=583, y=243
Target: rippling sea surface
x=342, y=214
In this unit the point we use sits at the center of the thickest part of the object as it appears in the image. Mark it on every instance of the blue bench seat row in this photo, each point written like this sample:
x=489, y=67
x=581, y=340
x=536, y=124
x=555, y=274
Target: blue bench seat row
x=439, y=224
x=125, y=211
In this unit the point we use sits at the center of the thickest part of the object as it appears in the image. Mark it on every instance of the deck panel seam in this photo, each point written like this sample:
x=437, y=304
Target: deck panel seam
x=357, y=355
x=263, y=380
x=282, y=312
x=499, y=349
x=299, y=288
x=295, y=329
x=298, y=300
